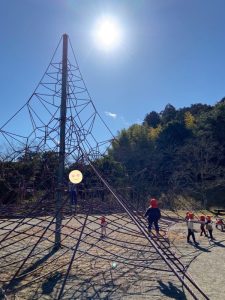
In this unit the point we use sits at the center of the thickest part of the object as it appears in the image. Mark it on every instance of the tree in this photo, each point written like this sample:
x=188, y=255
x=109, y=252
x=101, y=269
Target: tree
x=154, y=132
x=152, y=119
x=168, y=114
x=216, y=121
x=198, y=168
x=189, y=120
x=134, y=149
x=199, y=108
x=174, y=134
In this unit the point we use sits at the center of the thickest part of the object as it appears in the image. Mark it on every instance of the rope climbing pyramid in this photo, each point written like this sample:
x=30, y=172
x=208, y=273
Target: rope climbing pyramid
x=48, y=251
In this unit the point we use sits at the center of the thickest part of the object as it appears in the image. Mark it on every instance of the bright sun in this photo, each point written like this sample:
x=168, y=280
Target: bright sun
x=107, y=34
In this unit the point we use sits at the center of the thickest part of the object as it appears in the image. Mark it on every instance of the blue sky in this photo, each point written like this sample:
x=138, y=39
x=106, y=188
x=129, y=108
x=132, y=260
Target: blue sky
x=172, y=51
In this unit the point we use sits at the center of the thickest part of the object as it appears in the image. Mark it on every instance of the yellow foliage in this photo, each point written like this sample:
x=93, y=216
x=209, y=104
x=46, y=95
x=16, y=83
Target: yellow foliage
x=189, y=120
x=154, y=132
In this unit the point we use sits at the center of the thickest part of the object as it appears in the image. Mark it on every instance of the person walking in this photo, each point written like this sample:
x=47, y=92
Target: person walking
x=190, y=226
x=202, y=225
x=209, y=226
x=219, y=222
x=153, y=215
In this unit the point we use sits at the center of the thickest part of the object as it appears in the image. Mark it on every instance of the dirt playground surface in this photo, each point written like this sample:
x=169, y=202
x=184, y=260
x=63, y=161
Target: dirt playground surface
x=205, y=262
x=119, y=266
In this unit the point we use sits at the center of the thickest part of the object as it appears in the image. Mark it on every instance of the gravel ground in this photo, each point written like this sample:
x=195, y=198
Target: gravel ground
x=120, y=266
x=206, y=262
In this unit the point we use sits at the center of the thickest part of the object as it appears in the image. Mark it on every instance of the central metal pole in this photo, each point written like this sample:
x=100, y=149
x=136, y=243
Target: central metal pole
x=60, y=186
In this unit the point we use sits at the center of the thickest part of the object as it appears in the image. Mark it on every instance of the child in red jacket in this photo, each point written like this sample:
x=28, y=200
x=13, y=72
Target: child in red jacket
x=219, y=222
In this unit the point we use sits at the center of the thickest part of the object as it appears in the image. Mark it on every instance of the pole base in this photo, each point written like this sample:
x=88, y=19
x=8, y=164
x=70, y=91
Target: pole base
x=56, y=247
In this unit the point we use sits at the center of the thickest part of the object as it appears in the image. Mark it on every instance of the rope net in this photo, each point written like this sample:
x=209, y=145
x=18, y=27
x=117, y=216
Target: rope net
x=87, y=265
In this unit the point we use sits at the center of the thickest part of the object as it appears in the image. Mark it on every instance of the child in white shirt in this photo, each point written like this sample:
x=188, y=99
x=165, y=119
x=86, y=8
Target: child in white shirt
x=190, y=226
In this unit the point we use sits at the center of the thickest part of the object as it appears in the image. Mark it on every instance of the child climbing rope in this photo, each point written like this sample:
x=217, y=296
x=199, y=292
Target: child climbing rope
x=153, y=214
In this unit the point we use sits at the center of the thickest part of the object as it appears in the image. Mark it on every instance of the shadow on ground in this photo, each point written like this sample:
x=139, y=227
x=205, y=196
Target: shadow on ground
x=219, y=243
x=171, y=291
x=15, y=281
x=203, y=249
x=50, y=283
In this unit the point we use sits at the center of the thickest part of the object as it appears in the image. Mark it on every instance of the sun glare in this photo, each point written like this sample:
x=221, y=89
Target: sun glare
x=107, y=34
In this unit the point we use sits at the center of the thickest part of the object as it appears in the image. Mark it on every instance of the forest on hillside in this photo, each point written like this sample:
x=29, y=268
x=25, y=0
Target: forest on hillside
x=177, y=152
